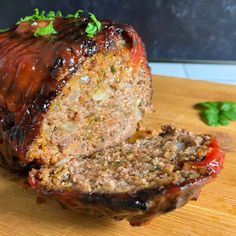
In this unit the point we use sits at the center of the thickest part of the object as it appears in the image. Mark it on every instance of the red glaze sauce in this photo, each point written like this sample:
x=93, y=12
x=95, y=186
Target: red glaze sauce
x=214, y=159
x=34, y=70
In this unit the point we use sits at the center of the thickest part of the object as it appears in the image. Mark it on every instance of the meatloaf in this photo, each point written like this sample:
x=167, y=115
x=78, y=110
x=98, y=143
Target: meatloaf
x=134, y=181
x=69, y=105
x=68, y=94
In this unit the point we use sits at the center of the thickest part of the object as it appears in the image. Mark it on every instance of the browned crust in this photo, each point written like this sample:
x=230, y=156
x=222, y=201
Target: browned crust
x=138, y=208
x=34, y=70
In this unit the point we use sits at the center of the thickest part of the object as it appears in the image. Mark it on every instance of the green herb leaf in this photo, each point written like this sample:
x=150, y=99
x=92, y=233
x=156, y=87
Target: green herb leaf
x=59, y=14
x=90, y=30
x=75, y=15
x=40, y=16
x=51, y=15
x=93, y=26
x=211, y=117
x=47, y=30
x=36, y=16
x=217, y=113
x=113, y=69
x=4, y=30
x=155, y=168
x=223, y=120
x=231, y=115
x=97, y=23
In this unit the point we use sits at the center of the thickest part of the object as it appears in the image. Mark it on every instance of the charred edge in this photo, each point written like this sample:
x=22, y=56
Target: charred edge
x=23, y=168
x=114, y=201
x=17, y=166
x=59, y=62
x=131, y=204
x=90, y=47
x=136, y=201
x=172, y=205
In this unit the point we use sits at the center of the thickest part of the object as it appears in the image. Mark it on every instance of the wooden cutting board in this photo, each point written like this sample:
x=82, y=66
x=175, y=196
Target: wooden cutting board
x=213, y=214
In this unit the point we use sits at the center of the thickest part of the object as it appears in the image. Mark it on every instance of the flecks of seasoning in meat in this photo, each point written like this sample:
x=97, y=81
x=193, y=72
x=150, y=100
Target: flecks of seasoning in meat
x=113, y=69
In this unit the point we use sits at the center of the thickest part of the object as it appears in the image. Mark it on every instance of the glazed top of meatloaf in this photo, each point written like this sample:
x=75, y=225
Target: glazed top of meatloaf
x=34, y=70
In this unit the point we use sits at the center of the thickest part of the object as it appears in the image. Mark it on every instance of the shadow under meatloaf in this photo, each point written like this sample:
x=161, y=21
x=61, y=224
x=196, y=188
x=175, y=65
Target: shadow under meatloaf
x=134, y=181
x=69, y=94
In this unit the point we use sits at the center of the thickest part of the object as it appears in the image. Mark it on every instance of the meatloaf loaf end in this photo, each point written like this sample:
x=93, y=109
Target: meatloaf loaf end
x=68, y=95
x=134, y=181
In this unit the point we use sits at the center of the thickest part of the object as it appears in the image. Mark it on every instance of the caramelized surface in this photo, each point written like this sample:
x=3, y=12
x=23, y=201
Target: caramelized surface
x=34, y=70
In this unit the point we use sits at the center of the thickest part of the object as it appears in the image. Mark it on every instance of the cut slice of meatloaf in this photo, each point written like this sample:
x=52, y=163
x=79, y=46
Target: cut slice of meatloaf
x=134, y=181
x=67, y=95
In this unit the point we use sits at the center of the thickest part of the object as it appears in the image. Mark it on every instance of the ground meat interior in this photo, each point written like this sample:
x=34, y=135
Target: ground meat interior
x=99, y=107
x=162, y=160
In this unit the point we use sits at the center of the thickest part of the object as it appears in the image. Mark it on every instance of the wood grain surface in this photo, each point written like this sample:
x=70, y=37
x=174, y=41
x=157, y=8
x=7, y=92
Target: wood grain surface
x=213, y=214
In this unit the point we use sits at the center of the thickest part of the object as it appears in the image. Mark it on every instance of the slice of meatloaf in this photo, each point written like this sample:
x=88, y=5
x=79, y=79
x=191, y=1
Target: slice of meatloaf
x=137, y=180
x=68, y=94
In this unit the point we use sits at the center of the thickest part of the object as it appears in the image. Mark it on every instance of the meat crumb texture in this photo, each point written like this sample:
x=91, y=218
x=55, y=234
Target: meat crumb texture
x=148, y=163
x=97, y=108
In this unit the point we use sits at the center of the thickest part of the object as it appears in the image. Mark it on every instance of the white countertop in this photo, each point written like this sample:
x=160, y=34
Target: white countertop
x=211, y=72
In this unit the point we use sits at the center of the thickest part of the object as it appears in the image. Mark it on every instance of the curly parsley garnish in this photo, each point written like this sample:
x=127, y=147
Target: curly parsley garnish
x=217, y=113
x=47, y=30
x=4, y=30
x=40, y=16
x=93, y=26
x=75, y=15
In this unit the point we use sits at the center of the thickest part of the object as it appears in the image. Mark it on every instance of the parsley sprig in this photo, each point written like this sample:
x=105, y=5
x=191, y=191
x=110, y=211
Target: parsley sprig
x=4, y=30
x=217, y=113
x=75, y=15
x=47, y=30
x=93, y=26
x=40, y=16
